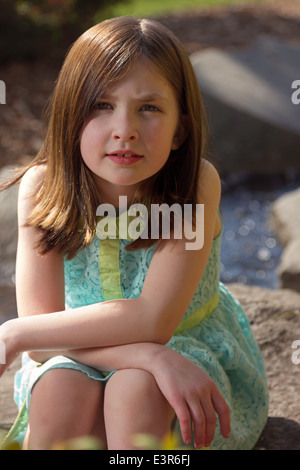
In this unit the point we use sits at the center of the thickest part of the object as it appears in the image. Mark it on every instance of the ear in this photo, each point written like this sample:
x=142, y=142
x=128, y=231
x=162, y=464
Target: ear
x=180, y=134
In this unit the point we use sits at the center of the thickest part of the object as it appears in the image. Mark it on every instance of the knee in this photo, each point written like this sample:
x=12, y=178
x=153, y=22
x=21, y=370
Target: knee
x=64, y=404
x=134, y=404
x=128, y=384
x=68, y=387
x=131, y=391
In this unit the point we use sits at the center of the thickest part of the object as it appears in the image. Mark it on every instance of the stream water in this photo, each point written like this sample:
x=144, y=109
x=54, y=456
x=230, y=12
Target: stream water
x=250, y=249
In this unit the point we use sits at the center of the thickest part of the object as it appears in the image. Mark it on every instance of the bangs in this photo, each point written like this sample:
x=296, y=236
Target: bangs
x=109, y=48
x=104, y=53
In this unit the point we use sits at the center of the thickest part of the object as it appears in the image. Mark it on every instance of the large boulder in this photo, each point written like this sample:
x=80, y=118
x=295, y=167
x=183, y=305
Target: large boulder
x=285, y=218
x=255, y=126
x=275, y=321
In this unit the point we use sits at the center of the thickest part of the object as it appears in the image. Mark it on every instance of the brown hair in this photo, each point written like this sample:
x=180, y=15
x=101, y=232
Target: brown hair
x=102, y=55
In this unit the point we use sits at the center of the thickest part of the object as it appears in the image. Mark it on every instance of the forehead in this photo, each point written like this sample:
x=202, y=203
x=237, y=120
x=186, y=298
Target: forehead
x=143, y=78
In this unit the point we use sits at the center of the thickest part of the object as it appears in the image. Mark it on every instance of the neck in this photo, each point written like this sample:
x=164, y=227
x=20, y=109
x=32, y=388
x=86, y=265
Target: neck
x=110, y=194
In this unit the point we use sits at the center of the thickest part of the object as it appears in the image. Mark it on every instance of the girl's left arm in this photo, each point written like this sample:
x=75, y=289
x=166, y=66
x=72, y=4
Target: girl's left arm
x=169, y=286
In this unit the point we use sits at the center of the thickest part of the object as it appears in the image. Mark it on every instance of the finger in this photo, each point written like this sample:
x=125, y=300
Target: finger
x=199, y=424
x=184, y=418
x=210, y=421
x=223, y=411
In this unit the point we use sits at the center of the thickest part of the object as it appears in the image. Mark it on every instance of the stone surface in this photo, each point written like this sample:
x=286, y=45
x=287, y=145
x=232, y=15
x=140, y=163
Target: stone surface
x=285, y=216
x=275, y=321
x=247, y=92
x=289, y=267
x=8, y=229
x=8, y=408
x=285, y=219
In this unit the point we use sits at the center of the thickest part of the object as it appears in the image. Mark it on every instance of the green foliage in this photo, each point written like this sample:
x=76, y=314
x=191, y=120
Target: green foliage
x=45, y=28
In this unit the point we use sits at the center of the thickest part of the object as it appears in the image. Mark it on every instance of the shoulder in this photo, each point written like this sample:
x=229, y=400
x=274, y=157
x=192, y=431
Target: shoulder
x=209, y=184
x=209, y=194
x=33, y=178
x=29, y=186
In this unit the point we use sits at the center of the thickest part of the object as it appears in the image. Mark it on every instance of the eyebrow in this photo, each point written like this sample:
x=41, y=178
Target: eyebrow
x=151, y=96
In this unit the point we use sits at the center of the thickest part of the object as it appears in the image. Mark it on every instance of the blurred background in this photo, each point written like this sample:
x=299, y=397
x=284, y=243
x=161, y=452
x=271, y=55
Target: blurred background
x=245, y=56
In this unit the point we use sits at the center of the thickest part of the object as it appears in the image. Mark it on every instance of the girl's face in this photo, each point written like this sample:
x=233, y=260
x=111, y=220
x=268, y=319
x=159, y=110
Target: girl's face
x=130, y=133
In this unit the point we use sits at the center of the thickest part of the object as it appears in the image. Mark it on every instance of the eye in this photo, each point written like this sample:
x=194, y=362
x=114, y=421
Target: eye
x=103, y=105
x=150, y=107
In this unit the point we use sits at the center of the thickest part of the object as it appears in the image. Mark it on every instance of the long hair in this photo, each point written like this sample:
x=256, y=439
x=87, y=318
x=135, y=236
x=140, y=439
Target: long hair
x=67, y=198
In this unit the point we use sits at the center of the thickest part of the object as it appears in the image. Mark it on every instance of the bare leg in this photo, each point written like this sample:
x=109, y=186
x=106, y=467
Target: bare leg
x=134, y=404
x=64, y=404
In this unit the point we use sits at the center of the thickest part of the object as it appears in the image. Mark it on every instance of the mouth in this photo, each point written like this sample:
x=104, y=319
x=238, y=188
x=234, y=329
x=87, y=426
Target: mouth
x=124, y=157
x=124, y=153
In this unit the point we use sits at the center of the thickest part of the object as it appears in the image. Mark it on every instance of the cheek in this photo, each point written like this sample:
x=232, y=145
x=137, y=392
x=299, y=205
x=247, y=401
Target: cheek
x=84, y=146
x=88, y=138
x=161, y=136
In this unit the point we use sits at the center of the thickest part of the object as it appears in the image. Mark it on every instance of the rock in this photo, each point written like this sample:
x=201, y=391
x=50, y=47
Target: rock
x=285, y=219
x=9, y=229
x=285, y=216
x=275, y=321
x=289, y=267
x=8, y=408
x=274, y=317
x=254, y=124
x=8, y=306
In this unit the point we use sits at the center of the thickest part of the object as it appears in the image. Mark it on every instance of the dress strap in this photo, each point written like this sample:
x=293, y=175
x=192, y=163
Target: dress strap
x=197, y=317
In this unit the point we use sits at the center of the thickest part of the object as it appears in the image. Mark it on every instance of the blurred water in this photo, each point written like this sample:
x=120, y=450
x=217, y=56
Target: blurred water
x=250, y=249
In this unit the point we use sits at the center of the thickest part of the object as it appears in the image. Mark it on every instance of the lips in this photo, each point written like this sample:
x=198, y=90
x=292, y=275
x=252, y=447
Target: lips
x=124, y=157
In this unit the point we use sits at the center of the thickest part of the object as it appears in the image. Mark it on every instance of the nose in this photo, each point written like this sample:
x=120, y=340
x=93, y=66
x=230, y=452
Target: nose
x=125, y=129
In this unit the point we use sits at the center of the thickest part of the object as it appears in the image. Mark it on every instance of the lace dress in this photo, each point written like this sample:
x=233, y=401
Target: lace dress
x=214, y=333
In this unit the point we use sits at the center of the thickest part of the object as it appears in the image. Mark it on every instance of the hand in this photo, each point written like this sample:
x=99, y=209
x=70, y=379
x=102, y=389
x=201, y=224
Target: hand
x=8, y=352
x=194, y=397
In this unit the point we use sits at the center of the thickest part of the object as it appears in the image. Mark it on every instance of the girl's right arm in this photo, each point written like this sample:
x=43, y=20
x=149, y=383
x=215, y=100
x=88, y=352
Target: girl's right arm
x=39, y=279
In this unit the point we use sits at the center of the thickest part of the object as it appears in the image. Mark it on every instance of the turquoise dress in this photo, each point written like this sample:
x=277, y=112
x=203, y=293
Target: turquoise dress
x=214, y=333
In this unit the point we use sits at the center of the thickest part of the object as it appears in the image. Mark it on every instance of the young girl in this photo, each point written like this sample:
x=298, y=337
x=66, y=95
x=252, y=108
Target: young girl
x=126, y=336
